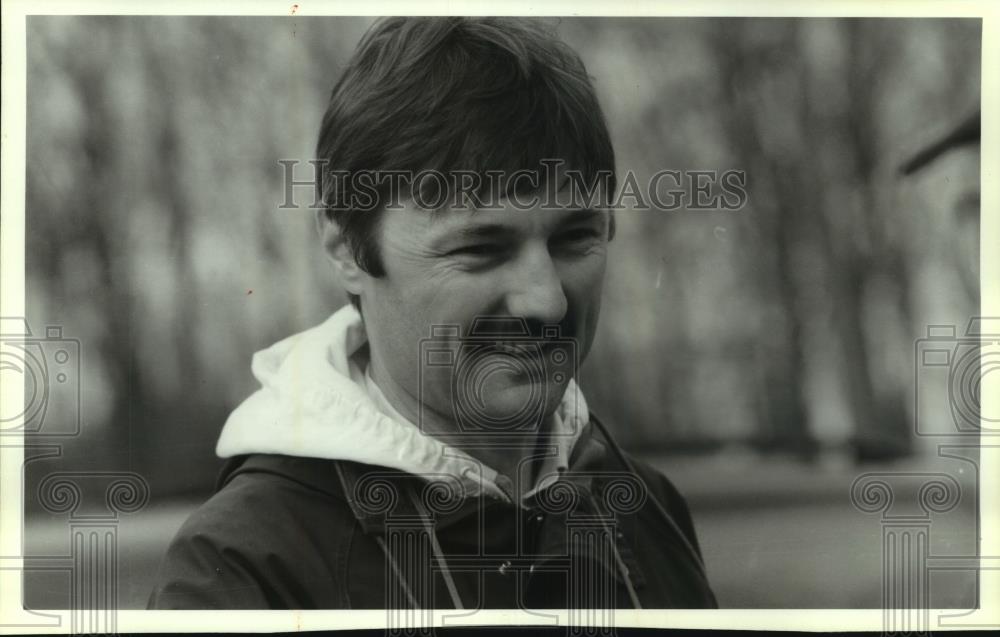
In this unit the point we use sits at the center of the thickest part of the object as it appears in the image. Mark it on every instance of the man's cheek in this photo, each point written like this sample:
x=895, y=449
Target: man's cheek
x=461, y=304
x=583, y=323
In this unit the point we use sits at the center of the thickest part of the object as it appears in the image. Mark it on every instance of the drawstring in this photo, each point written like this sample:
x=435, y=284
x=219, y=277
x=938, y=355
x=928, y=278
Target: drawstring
x=622, y=568
x=399, y=575
x=656, y=503
x=619, y=562
x=438, y=553
x=446, y=572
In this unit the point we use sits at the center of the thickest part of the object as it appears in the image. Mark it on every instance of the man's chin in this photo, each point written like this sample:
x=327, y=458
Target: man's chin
x=519, y=404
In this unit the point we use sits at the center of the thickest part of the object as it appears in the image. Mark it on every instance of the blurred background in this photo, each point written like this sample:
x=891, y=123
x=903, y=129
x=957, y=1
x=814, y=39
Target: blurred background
x=762, y=358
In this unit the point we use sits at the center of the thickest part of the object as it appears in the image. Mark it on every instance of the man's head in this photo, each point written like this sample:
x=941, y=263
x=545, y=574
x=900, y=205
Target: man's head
x=958, y=186
x=477, y=96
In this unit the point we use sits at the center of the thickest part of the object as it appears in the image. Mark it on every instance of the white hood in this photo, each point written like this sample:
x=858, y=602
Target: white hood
x=314, y=402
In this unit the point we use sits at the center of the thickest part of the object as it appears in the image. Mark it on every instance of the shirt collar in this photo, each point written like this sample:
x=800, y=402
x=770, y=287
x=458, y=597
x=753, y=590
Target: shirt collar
x=566, y=426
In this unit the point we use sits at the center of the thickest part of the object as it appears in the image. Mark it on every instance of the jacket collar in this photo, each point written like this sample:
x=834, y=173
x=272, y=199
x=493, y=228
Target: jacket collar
x=379, y=497
x=367, y=490
x=314, y=402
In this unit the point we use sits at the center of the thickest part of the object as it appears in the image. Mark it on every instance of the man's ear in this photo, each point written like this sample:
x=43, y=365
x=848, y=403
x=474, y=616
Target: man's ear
x=339, y=253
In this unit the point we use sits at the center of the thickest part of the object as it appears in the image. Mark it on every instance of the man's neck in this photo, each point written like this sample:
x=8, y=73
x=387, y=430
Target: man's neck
x=511, y=457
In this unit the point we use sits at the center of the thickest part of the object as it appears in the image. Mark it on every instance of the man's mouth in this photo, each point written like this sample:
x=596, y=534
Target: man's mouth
x=511, y=348
x=521, y=350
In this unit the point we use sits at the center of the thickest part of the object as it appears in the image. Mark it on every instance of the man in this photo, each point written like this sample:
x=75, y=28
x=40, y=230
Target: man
x=963, y=197
x=427, y=446
x=945, y=174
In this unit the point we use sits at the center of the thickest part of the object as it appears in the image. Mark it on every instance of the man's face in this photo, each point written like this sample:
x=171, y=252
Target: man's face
x=950, y=188
x=450, y=268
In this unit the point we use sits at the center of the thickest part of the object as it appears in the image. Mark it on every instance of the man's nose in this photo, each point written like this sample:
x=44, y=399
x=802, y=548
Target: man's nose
x=535, y=290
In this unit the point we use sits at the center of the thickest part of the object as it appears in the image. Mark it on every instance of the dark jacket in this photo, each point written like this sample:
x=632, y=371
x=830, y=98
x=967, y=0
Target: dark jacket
x=287, y=532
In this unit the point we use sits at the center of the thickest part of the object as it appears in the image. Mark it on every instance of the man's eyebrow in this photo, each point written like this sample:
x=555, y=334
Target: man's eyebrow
x=483, y=231
x=496, y=231
x=477, y=231
x=583, y=215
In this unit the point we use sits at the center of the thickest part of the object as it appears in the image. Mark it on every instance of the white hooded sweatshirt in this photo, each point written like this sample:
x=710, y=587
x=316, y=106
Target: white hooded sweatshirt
x=317, y=400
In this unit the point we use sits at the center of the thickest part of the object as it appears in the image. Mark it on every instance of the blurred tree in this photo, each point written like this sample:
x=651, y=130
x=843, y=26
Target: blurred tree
x=754, y=67
x=154, y=233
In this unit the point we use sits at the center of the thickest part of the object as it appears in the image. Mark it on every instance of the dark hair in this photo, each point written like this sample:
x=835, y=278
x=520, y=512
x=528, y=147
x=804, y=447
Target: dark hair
x=455, y=93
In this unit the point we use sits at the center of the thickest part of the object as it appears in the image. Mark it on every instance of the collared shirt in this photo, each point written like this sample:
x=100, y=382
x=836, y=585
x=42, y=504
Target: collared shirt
x=490, y=481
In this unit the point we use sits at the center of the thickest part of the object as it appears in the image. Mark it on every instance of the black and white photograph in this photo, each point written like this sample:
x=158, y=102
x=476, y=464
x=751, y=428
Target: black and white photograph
x=599, y=319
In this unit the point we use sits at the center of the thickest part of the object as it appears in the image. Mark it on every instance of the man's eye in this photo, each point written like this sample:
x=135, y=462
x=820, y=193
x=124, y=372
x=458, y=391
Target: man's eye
x=579, y=234
x=477, y=250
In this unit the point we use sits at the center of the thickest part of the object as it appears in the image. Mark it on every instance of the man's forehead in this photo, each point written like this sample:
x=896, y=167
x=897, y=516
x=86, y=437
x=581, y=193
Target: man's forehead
x=559, y=201
x=449, y=220
x=561, y=194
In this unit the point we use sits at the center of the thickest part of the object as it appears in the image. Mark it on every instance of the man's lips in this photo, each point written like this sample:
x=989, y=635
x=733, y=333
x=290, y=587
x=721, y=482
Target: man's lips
x=536, y=354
